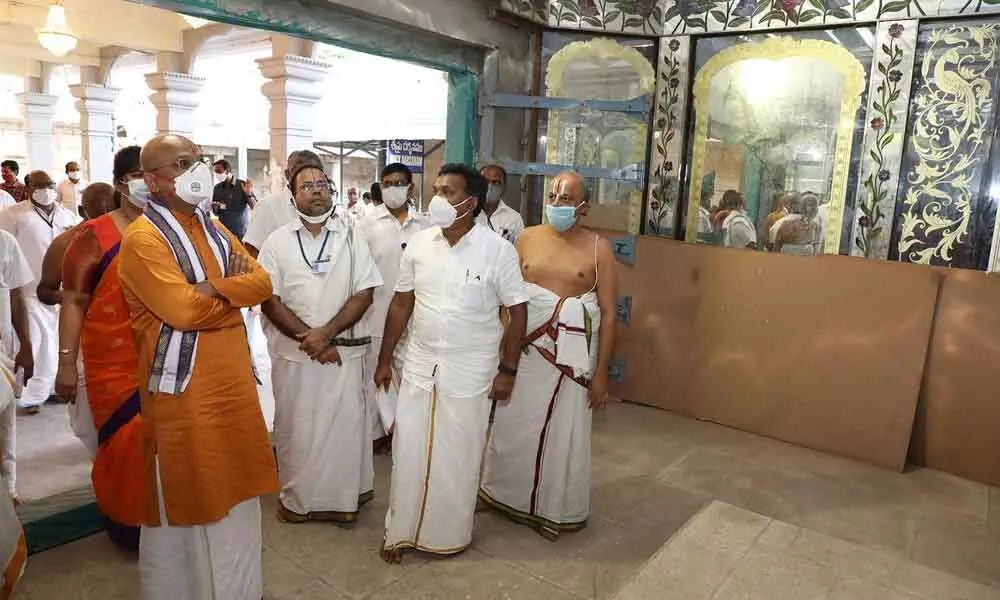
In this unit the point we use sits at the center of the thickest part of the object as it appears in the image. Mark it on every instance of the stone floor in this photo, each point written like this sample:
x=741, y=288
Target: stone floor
x=729, y=553
x=50, y=459
x=653, y=471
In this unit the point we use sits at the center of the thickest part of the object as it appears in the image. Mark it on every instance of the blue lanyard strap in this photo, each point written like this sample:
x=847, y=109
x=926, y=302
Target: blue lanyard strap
x=302, y=250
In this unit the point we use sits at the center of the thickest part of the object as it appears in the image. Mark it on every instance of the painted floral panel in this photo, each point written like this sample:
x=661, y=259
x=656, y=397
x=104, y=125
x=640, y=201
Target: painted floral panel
x=940, y=217
x=616, y=16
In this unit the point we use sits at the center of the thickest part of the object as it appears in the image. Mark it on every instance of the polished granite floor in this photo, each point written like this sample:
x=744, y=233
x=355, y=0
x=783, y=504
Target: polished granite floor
x=653, y=472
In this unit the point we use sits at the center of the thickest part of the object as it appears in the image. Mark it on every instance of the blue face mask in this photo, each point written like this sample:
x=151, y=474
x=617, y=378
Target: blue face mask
x=561, y=218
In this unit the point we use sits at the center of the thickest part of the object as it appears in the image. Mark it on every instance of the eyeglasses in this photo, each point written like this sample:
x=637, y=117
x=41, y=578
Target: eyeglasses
x=183, y=164
x=310, y=186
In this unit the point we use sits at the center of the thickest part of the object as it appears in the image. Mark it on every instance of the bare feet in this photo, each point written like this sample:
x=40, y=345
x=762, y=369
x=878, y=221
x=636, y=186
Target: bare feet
x=393, y=556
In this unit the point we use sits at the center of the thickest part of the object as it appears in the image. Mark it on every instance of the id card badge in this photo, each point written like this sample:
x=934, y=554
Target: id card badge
x=321, y=267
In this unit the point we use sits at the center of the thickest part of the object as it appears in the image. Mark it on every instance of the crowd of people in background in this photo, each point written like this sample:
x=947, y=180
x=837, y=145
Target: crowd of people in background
x=470, y=347
x=794, y=225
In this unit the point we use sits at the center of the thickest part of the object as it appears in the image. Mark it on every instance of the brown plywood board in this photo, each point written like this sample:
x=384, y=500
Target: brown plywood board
x=958, y=423
x=824, y=352
x=659, y=345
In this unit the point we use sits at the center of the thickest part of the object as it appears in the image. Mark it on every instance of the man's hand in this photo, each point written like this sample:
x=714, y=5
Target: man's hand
x=248, y=188
x=207, y=289
x=314, y=341
x=383, y=376
x=330, y=356
x=66, y=380
x=597, y=395
x=25, y=361
x=503, y=385
x=239, y=264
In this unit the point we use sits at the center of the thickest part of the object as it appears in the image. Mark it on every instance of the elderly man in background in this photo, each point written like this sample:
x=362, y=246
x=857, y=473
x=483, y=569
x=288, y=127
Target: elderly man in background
x=323, y=276
x=95, y=331
x=537, y=466
x=35, y=224
x=496, y=215
x=452, y=278
x=207, y=454
x=278, y=208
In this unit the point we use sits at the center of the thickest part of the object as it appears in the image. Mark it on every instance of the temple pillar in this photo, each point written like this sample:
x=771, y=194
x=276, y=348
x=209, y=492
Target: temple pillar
x=96, y=104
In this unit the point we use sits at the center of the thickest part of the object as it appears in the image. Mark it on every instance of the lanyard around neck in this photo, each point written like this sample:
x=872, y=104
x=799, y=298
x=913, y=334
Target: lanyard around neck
x=302, y=250
x=49, y=219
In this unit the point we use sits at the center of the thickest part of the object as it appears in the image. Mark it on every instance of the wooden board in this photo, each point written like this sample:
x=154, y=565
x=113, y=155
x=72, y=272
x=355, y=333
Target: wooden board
x=825, y=352
x=958, y=422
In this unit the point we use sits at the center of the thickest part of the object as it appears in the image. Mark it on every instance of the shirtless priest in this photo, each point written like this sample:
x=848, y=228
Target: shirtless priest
x=537, y=465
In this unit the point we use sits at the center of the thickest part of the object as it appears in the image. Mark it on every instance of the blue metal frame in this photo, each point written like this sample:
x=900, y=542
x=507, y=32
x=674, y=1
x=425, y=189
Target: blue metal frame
x=638, y=105
x=623, y=312
x=624, y=249
x=616, y=370
x=633, y=173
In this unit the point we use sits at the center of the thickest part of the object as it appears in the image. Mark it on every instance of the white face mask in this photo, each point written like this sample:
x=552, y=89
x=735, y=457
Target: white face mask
x=315, y=219
x=138, y=193
x=221, y=177
x=74, y=176
x=443, y=214
x=194, y=186
x=395, y=196
x=45, y=197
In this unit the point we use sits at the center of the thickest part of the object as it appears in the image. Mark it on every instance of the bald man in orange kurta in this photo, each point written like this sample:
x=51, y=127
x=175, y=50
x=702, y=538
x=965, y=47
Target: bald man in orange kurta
x=208, y=457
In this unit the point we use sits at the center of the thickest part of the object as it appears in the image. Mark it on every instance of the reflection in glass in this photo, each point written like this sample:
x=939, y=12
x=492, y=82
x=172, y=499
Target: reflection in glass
x=774, y=127
x=585, y=68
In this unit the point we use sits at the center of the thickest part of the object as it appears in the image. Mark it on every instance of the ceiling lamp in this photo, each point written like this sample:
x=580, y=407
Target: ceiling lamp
x=195, y=22
x=55, y=36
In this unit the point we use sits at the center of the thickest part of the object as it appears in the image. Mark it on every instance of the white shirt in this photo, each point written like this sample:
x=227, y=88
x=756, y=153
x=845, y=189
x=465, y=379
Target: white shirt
x=6, y=200
x=316, y=296
x=506, y=221
x=34, y=232
x=455, y=328
x=273, y=211
x=14, y=273
x=71, y=194
x=737, y=230
x=387, y=238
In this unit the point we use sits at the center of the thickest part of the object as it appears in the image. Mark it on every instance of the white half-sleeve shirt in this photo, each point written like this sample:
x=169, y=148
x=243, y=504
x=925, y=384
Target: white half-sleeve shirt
x=14, y=273
x=273, y=211
x=34, y=232
x=455, y=329
x=505, y=221
x=313, y=277
x=387, y=238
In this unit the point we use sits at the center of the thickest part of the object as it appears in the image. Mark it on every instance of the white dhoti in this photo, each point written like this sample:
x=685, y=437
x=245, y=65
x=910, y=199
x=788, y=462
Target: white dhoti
x=220, y=561
x=81, y=420
x=537, y=464
x=43, y=324
x=437, y=452
x=322, y=436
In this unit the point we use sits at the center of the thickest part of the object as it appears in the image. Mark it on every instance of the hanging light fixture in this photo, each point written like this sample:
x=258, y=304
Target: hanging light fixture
x=195, y=22
x=56, y=36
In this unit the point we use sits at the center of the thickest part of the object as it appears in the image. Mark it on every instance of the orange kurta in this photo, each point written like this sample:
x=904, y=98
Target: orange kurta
x=90, y=266
x=211, y=440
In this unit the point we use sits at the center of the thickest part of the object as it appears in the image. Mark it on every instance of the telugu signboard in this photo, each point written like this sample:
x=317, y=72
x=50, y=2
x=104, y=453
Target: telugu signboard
x=408, y=152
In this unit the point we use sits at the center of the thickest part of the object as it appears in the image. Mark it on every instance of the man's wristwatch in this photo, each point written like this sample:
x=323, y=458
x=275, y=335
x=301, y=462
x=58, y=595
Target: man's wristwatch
x=505, y=370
